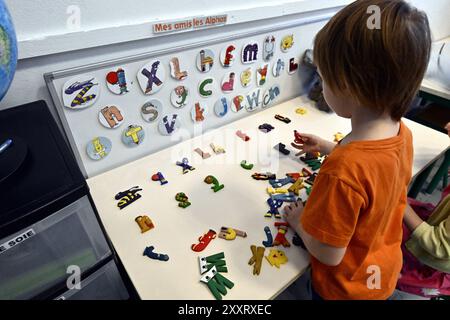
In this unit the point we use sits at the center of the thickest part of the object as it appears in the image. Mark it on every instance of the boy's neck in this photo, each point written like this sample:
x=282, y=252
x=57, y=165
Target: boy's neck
x=368, y=126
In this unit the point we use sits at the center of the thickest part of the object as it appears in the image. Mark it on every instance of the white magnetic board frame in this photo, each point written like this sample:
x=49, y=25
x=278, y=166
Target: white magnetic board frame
x=81, y=126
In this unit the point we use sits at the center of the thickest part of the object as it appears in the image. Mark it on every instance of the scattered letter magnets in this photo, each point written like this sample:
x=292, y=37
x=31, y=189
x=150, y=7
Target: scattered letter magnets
x=127, y=197
x=230, y=233
x=204, y=241
x=145, y=223
x=256, y=259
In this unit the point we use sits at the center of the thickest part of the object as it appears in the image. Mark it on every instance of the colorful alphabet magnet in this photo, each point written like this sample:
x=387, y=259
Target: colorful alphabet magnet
x=151, y=77
x=80, y=92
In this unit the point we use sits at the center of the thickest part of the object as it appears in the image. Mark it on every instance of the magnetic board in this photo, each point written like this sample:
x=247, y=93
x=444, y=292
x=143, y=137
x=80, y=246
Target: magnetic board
x=95, y=127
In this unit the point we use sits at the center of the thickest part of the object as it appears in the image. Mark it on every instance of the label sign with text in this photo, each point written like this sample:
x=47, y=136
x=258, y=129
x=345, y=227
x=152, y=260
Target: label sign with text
x=17, y=240
x=190, y=24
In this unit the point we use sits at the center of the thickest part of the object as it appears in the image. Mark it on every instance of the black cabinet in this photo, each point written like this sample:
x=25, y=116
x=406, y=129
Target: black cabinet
x=48, y=226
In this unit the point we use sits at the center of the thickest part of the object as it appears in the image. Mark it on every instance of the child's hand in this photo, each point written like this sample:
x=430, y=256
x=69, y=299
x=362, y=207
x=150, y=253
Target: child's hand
x=447, y=127
x=293, y=213
x=311, y=144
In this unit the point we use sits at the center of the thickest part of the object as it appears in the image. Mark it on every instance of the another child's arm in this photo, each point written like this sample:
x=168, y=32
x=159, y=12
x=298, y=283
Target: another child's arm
x=328, y=255
x=312, y=143
x=433, y=239
x=411, y=219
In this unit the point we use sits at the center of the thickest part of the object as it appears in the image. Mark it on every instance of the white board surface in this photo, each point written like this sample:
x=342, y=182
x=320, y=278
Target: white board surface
x=83, y=125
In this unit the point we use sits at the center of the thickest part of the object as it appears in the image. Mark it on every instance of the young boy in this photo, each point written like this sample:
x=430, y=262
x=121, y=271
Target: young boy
x=352, y=223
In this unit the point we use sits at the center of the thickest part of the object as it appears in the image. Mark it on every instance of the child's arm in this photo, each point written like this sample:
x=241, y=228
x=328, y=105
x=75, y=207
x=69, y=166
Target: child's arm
x=411, y=219
x=312, y=144
x=328, y=255
x=433, y=239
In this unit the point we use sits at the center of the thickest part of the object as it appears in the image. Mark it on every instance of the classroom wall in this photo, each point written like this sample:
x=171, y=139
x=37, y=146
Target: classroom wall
x=437, y=11
x=49, y=41
x=45, y=44
x=49, y=26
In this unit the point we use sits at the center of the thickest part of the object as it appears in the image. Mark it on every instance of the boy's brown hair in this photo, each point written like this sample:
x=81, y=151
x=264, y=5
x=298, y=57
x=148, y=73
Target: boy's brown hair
x=381, y=68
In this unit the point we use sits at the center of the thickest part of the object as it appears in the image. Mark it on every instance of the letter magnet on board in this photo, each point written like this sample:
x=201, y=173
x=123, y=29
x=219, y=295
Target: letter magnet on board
x=98, y=148
x=222, y=106
x=110, y=117
x=287, y=42
x=268, y=48
x=205, y=87
x=169, y=124
x=175, y=69
x=133, y=135
x=152, y=110
x=151, y=77
x=179, y=97
x=199, y=112
x=246, y=77
x=205, y=60
x=80, y=92
x=118, y=82
x=250, y=53
x=227, y=56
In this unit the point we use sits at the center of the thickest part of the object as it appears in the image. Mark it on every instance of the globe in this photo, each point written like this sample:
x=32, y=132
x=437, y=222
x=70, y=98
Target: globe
x=8, y=50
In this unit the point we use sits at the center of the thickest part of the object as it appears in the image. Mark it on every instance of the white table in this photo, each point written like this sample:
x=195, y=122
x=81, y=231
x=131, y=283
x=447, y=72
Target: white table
x=241, y=204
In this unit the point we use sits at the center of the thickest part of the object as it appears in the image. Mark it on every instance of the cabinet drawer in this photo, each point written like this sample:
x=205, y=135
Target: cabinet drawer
x=37, y=257
x=104, y=284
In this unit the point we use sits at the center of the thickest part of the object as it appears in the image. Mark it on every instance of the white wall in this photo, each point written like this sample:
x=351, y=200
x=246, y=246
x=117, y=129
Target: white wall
x=438, y=12
x=115, y=28
x=47, y=26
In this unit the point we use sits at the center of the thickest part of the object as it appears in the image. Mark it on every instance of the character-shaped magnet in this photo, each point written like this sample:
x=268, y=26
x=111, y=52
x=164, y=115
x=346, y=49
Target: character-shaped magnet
x=151, y=77
x=268, y=48
x=287, y=42
x=293, y=65
x=110, y=117
x=278, y=68
x=261, y=74
x=117, y=81
x=199, y=112
x=249, y=53
x=175, y=69
x=227, y=56
x=179, y=97
x=98, y=148
x=205, y=60
x=237, y=103
x=80, y=92
x=228, y=82
x=270, y=95
x=246, y=77
x=222, y=106
x=253, y=100
x=205, y=86
x=169, y=124
x=151, y=110
x=133, y=135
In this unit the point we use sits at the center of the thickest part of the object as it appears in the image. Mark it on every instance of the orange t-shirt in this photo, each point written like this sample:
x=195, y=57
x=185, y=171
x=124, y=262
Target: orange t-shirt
x=357, y=201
